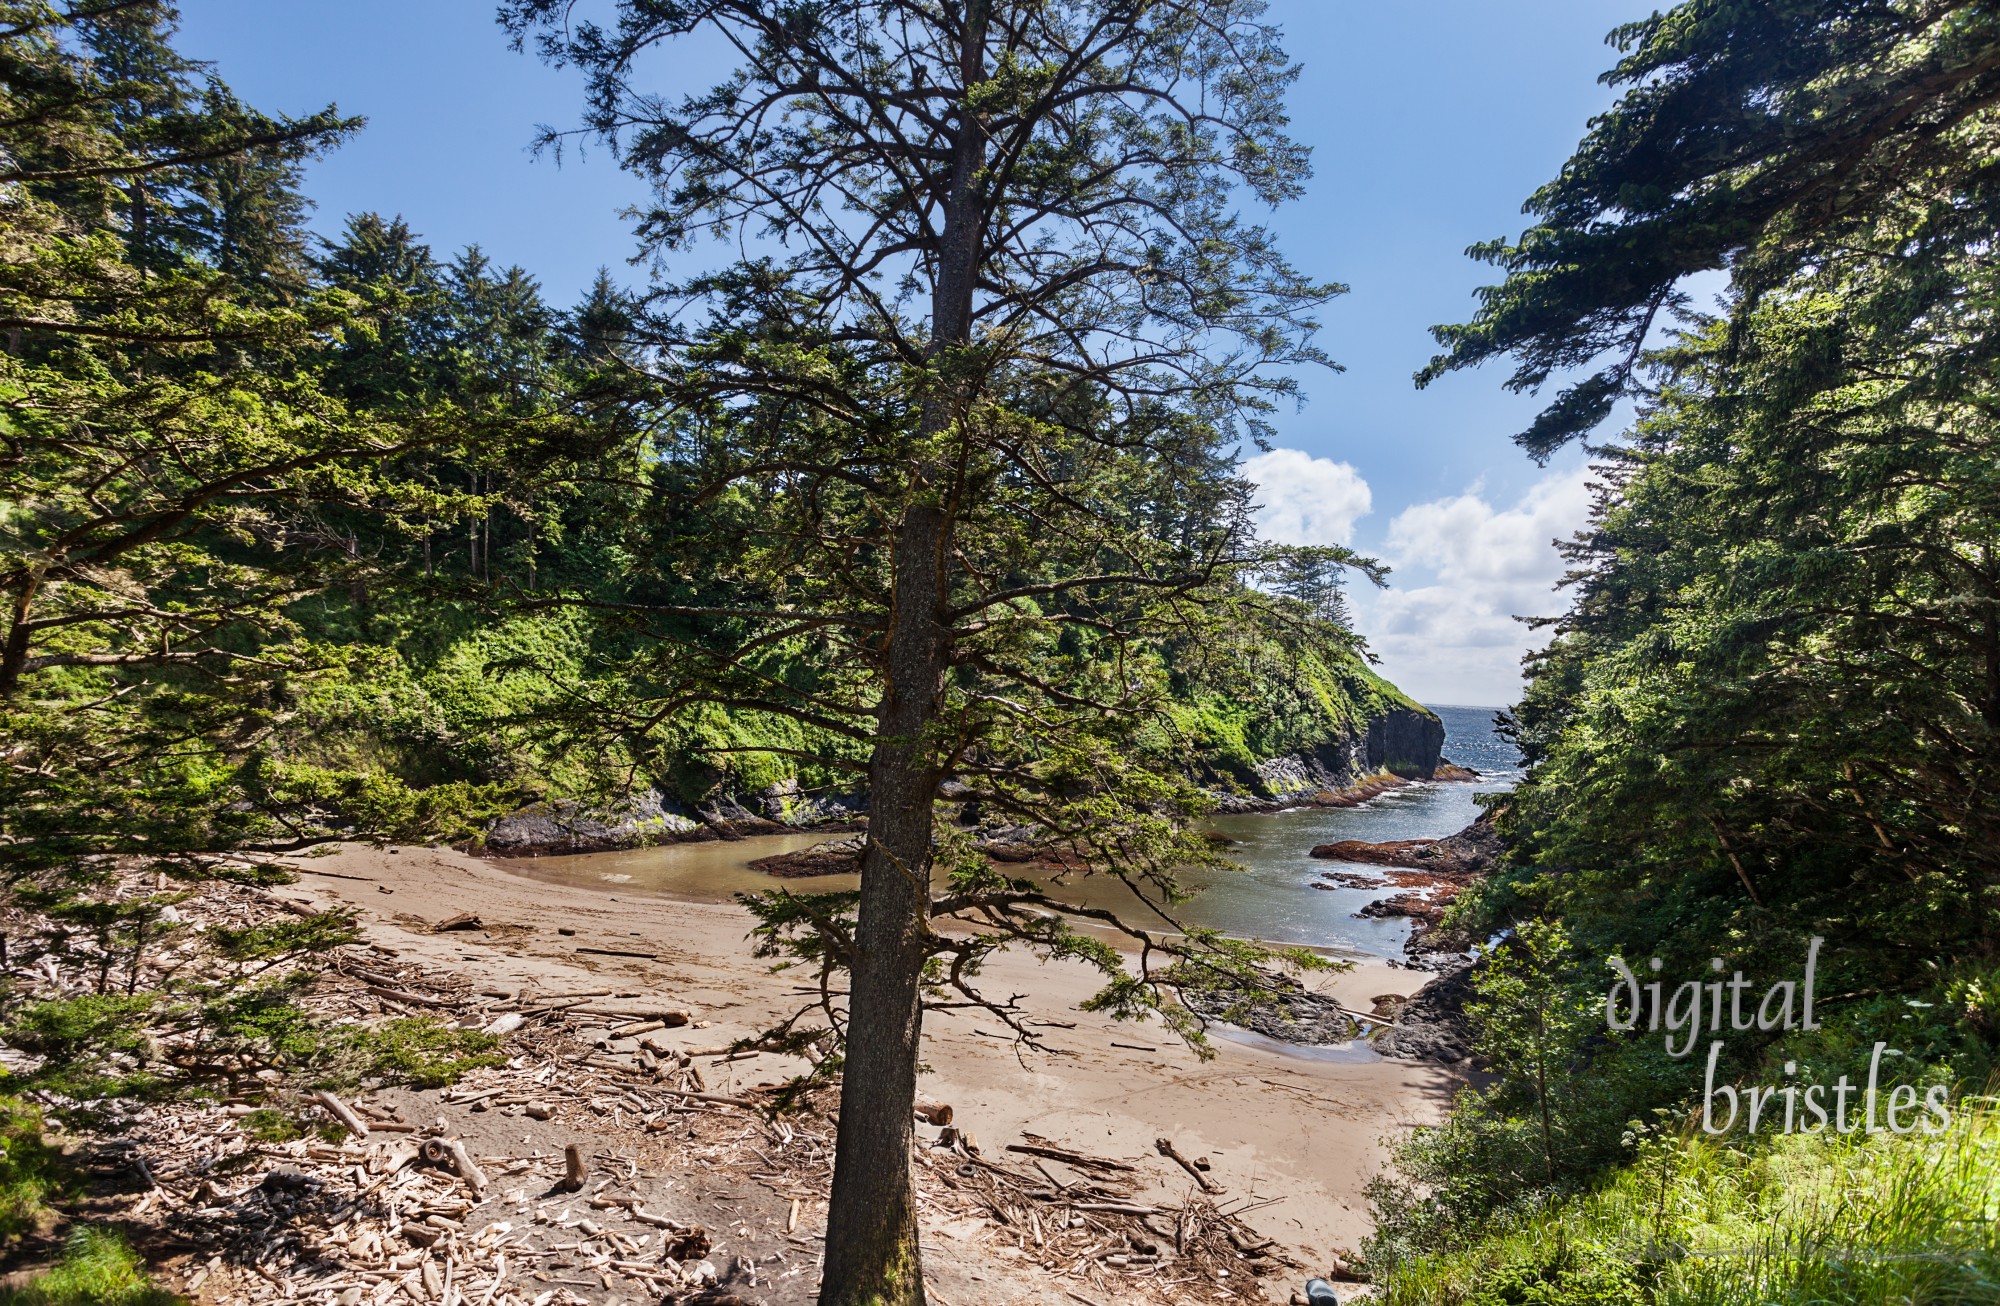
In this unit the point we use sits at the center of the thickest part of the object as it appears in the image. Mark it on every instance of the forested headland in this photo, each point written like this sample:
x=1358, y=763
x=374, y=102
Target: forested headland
x=919, y=514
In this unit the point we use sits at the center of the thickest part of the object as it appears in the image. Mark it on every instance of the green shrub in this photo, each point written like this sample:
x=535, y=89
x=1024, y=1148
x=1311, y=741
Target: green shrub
x=422, y=1052
x=92, y=1046
x=1566, y=1275
x=1805, y=1220
x=98, y=1268
x=270, y=1125
x=265, y=1023
x=31, y=1171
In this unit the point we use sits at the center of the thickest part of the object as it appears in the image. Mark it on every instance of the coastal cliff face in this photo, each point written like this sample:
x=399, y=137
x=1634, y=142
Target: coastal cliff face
x=1407, y=742
x=1295, y=729
x=1334, y=734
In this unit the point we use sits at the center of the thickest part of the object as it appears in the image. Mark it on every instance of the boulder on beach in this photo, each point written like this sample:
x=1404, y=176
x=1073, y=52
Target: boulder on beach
x=1290, y=1013
x=834, y=857
x=1431, y=1024
x=566, y=826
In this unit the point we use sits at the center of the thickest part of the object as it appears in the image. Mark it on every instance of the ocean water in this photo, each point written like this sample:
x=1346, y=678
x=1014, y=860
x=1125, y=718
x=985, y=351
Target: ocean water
x=1470, y=740
x=1270, y=898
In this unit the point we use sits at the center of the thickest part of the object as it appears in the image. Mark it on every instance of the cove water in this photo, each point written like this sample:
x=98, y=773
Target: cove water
x=1270, y=899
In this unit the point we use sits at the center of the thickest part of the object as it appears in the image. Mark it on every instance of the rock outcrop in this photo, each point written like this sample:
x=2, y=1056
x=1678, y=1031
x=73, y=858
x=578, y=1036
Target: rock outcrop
x=1017, y=844
x=1391, y=749
x=1431, y=1023
x=1292, y=1014
x=1472, y=851
x=644, y=819
x=1431, y=873
x=567, y=826
x=1405, y=742
x=788, y=804
x=834, y=857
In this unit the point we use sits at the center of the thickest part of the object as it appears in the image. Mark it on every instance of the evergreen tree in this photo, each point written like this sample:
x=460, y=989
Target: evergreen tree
x=207, y=177
x=997, y=298
x=405, y=313
x=604, y=325
x=1772, y=712
x=256, y=212
x=1003, y=291
x=1314, y=577
x=1765, y=139
x=173, y=464
x=182, y=493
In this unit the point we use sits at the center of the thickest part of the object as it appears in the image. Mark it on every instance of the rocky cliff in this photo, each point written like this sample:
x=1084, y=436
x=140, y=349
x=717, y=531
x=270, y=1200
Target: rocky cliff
x=1407, y=742
x=1303, y=731
x=1401, y=744
x=641, y=820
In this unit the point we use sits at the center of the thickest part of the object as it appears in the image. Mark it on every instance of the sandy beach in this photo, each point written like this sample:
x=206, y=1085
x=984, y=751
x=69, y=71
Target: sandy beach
x=1300, y=1129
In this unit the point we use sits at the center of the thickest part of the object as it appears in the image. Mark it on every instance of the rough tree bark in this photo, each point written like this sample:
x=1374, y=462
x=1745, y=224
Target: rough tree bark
x=873, y=1253
x=872, y=1250
x=14, y=653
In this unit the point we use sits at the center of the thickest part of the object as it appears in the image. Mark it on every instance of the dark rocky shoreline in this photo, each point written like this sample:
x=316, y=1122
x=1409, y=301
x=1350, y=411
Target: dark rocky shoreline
x=1430, y=1025
x=1431, y=874
x=1397, y=748
x=1296, y=1015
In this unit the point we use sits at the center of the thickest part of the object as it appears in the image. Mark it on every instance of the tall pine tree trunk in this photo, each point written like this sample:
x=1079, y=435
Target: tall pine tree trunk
x=872, y=1253
x=873, y=1256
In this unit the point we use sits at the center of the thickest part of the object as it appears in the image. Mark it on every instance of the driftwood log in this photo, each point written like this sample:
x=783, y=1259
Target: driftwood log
x=467, y=1168
x=574, y=1170
x=1167, y=1149
x=340, y=1111
x=1080, y=1160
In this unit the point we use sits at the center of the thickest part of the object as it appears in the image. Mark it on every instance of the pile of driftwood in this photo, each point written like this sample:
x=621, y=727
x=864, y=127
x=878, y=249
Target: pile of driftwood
x=596, y=1165
x=397, y=1194
x=1089, y=1229
x=421, y=1217
x=402, y=1205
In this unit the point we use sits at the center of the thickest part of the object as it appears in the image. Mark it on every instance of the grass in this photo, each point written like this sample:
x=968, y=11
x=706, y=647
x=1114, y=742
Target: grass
x=424, y=1053
x=31, y=1171
x=98, y=1268
x=1808, y=1221
x=270, y=1125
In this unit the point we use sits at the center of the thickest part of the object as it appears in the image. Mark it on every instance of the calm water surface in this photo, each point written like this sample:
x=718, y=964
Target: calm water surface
x=1271, y=898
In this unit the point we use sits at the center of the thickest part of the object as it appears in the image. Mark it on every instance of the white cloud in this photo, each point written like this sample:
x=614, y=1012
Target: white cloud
x=1306, y=500
x=1464, y=569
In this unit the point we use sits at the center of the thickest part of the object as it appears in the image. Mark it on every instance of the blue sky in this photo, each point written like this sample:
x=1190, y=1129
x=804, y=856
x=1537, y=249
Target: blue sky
x=1430, y=123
